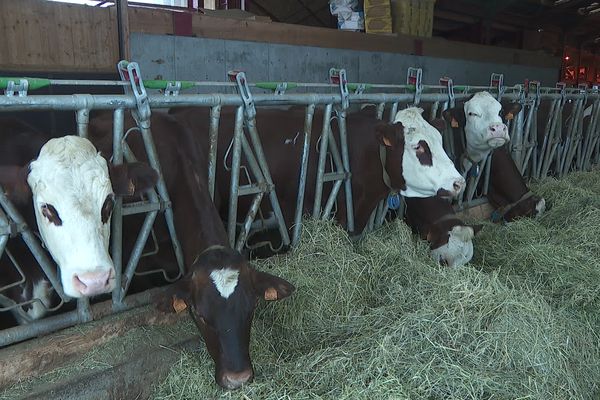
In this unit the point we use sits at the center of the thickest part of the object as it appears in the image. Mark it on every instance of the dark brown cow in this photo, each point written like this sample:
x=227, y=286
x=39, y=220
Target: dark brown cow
x=221, y=288
x=419, y=150
x=483, y=119
x=434, y=219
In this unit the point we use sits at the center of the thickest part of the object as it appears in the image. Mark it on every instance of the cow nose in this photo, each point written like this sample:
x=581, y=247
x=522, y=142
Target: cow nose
x=234, y=380
x=498, y=130
x=96, y=282
x=459, y=185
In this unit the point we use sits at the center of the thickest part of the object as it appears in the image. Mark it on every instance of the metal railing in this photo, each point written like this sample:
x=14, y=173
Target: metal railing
x=559, y=148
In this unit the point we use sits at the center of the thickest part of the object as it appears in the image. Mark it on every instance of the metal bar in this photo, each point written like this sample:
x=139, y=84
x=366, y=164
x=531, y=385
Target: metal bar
x=117, y=215
x=235, y=174
x=254, y=206
x=163, y=193
x=308, y=121
x=264, y=166
x=331, y=200
x=34, y=246
x=83, y=119
x=346, y=166
x=322, y=158
x=215, y=114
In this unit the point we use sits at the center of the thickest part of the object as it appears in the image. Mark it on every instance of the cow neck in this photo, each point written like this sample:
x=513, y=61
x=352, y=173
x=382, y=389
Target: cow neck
x=501, y=212
x=384, y=175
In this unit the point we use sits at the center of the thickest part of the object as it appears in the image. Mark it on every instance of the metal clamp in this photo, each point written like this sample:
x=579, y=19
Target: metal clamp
x=533, y=89
x=338, y=77
x=239, y=77
x=21, y=88
x=360, y=88
x=449, y=83
x=497, y=81
x=130, y=71
x=414, y=76
x=172, y=88
x=281, y=88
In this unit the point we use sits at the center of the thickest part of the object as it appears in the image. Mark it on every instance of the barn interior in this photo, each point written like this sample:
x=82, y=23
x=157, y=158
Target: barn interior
x=526, y=318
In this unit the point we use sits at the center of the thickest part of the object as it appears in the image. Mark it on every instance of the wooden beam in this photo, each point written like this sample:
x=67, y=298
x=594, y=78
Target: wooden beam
x=123, y=29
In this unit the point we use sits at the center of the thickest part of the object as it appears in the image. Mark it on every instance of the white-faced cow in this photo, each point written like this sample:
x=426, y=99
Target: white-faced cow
x=220, y=288
x=484, y=121
x=63, y=187
x=434, y=219
x=406, y=156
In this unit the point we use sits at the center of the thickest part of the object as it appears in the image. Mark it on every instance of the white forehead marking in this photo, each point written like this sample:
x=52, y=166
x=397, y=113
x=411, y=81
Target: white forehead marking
x=411, y=117
x=459, y=249
x=225, y=280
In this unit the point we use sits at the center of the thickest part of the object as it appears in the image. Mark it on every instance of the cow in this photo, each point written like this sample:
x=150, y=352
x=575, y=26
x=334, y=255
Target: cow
x=434, y=219
x=66, y=190
x=484, y=121
x=406, y=156
x=220, y=288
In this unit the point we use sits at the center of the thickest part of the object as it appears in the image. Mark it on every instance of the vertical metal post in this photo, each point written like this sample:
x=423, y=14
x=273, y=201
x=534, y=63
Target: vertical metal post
x=308, y=121
x=346, y=164
x=215, y=114
x=235, y=174
x=117, y=215
x=322, y=158
x=83, y=119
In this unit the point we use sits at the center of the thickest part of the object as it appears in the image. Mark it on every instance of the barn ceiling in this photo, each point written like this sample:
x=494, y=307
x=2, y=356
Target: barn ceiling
x=577, y=20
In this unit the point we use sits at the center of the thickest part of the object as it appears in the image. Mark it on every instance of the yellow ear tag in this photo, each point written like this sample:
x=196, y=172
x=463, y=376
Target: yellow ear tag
x=454, y=123
x=387, y=142
x=178, y=305
x=270, y=294
x=509, y=116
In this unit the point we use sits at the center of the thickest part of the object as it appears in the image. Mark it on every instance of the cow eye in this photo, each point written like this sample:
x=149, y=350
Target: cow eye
x=472, y=114
x=51, y=214
x=107, y=208
x=419, y=148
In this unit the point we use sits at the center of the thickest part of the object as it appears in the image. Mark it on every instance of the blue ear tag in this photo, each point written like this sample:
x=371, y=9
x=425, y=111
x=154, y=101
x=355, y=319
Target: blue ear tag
x=474, y=171
x=496, y=217
x=393, y=201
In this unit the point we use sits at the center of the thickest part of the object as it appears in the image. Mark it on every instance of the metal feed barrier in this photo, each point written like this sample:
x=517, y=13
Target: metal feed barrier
x=557, y=151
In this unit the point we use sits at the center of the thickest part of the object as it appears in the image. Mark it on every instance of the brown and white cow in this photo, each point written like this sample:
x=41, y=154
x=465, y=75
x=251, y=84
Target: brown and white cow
x=413, y=160
x=434, y=219
x=220, y=289
x=484, y=121
x=66, y=189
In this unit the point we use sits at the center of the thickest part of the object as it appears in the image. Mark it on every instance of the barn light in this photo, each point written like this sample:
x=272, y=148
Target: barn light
x=567, y=58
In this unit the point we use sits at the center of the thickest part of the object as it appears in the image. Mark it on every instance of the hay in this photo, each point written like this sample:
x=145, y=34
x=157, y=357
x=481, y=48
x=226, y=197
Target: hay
x=380, y=320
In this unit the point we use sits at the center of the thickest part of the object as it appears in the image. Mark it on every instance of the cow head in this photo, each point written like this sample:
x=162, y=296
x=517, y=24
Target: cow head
x=451, y=242
x=73, y=200
x=415, y=159
x=483, y=119
x=221, y=291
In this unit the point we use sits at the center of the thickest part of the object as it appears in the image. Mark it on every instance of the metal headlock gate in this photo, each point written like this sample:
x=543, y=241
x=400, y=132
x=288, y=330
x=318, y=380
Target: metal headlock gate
x=557, y=151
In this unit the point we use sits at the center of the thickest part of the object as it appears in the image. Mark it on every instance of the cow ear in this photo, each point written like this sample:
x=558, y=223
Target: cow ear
x=476, y=228
x=14, y=181
x=132, y=179
x=175, y=298
x=389, y=134
x=509, y=110
x=463, y=232
x=455, y=117
x=270, y=287
x=439, y=124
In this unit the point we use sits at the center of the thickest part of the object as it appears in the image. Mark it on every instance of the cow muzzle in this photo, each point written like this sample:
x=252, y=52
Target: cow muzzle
x=235, y=380
x=497, y=135
x=457, y=187
x=94, y=283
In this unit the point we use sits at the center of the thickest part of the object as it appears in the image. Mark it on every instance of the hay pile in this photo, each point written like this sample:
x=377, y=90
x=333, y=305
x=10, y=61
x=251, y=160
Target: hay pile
x=380, y=320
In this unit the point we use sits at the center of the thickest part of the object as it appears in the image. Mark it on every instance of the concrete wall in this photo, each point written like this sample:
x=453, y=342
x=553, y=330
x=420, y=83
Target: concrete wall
x=190, y=58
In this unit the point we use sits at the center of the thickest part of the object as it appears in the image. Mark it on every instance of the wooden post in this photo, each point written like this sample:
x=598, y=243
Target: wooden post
x=123, y=29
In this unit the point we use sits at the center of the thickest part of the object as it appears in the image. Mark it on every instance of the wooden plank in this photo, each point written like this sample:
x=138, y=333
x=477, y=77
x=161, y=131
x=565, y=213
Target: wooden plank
x=33, y=358
x=47, y=36
x=160, y=22
x=123, y=21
